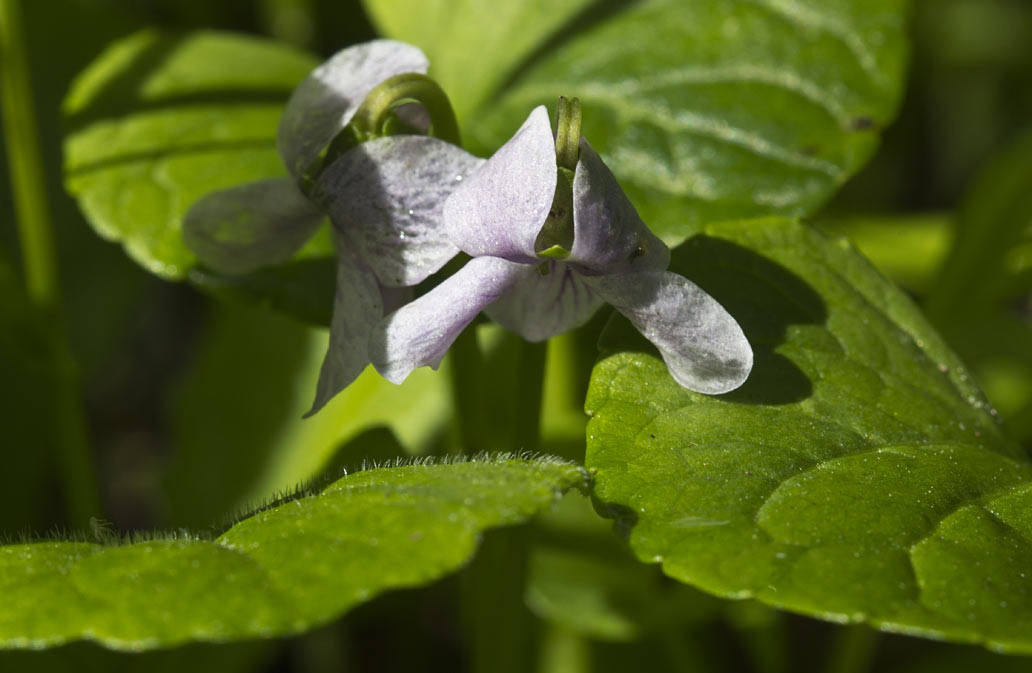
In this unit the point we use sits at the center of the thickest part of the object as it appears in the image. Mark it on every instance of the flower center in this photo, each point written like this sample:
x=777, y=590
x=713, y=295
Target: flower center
x=555, y=240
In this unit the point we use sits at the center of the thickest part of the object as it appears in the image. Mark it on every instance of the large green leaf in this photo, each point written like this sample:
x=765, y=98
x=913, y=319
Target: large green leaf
x=501, y=34
x=704, y=110
x=157, y=121
x=280, y=571
x=857, y=475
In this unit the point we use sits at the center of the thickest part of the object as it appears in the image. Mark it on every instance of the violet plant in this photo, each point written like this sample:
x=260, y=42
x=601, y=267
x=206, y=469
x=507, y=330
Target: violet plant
x=659, y=387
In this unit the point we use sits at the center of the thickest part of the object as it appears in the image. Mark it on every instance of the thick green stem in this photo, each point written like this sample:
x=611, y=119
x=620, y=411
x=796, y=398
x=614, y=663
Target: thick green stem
x=26, y=165
x=853, y=649
x=38, y=259
x=563, y=651
x=467, y=369
x=499, y=626
x=529, y=386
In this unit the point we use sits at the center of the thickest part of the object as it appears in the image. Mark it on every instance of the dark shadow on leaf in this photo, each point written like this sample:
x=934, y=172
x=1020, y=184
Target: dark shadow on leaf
x=302, y=288
x=763, y=296
x=624, y=518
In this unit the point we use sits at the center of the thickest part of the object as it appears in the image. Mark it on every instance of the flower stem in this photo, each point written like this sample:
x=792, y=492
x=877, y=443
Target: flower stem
x=529, y=388
x=467, y=367
x=25, y=164
x=563, y=651
x=498, y=625
x=500, y=628
x=853, y=649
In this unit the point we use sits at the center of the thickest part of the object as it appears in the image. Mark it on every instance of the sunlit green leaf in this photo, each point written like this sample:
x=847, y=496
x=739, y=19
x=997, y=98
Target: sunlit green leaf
x=157, y=121
x=858, y=475
x=704, y=110
x=282, y=570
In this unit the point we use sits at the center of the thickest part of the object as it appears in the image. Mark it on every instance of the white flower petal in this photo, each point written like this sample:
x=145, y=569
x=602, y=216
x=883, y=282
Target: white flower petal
x=387, y=197
x=256, y=224
x=609, y=237
x=325, y=101
x=702, y=345
x=419, y=333
x=500, y=210
x=357, y=308
x=542, y=306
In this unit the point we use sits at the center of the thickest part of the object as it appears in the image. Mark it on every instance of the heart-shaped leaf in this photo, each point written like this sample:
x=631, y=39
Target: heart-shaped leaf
x=858, y=475
x=704, y=110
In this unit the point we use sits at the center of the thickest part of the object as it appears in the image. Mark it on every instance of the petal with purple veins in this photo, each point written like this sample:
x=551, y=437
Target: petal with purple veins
x=357, y=308
x=544, y=305
x=500, y=209
x=419, y=333
x=703, y=346
x=609, y=237
x=387, y=196
x=327, y=99
x=253, y=225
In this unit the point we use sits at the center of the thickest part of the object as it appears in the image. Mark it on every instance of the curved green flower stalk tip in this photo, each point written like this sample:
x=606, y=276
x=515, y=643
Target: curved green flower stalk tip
x=379, y=116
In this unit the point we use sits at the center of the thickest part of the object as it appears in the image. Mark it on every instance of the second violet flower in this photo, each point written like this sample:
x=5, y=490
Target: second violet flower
x=552, y=237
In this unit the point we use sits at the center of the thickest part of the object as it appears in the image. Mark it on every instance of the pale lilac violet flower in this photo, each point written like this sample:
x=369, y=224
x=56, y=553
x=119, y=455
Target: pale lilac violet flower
x=384, y=197
x=497, y=216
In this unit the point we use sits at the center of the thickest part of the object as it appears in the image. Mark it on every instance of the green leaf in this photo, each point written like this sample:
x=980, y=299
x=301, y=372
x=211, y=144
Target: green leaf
x=157, y=121
x=280, y=571
x=717, y=110
x=502, y=35
x=858, y=475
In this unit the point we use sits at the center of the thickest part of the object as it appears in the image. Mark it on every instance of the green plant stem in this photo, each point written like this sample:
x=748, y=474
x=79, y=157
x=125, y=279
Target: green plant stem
x=28, y=183
x=500, y=628
x=564, y=651
x=853, y=649
x=529, y=388
x=467, y=368
x=26, y=165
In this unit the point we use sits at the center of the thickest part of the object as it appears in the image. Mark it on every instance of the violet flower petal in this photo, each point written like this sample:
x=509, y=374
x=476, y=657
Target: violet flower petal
x=357, y=308
x=387, y=196
x=419, y=333
x=501, y=208
x=702, y=345
x=609, y=237
x=327, y=99
x=256, y=224
x=542, y=306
